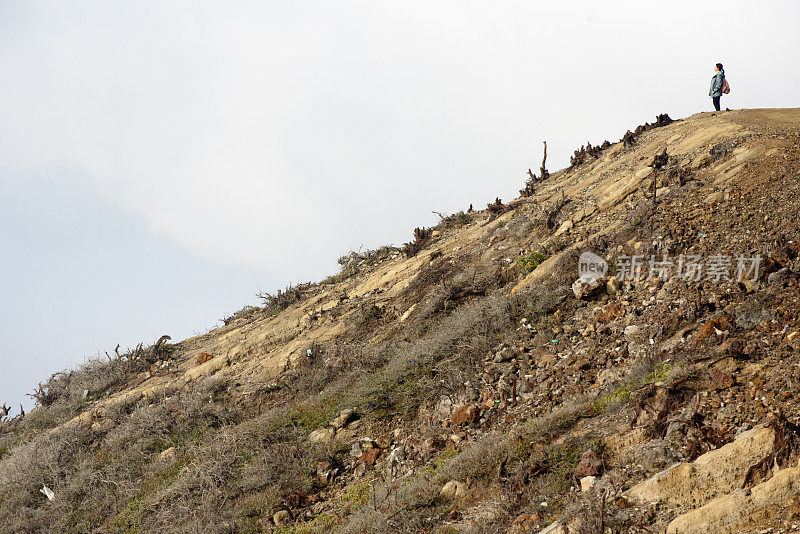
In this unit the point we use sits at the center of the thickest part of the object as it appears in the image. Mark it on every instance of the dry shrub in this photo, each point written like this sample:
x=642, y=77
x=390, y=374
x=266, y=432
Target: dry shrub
x=421, y=238
x=451, y=291
x=282, y=299
x=355, y=262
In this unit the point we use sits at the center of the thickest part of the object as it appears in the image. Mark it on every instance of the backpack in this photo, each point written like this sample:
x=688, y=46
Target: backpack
x=725, y=87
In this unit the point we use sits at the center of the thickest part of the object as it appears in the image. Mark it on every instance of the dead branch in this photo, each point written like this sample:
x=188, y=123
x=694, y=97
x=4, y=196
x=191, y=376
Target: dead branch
x=544, y=174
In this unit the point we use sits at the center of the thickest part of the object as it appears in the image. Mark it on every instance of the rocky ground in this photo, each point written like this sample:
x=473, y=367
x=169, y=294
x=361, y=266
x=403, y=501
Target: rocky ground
x=471, y=382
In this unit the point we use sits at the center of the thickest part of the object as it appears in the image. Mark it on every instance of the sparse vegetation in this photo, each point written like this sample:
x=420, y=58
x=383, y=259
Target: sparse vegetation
x=277, y=302
x=529, y=262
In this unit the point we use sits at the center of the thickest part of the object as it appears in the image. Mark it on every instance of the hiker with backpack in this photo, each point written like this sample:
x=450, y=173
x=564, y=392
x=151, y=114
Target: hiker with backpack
x=719, y=85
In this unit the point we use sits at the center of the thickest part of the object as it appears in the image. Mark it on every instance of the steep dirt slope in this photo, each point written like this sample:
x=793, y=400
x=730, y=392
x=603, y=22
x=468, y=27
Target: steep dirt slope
x=467, y=387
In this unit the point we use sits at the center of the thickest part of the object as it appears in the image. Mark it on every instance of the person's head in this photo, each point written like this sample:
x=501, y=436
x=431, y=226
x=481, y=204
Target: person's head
x=718, y=67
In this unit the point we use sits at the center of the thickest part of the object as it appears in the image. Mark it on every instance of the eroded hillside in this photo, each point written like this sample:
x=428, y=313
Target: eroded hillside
x=468, y=383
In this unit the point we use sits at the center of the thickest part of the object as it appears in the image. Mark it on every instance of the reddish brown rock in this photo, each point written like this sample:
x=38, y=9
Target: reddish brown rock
x=590, y=465
x=370, y=457
x=720, y=380
x=465, y=415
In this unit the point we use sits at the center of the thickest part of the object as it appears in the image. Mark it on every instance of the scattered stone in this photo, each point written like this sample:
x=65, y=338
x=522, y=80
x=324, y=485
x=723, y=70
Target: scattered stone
x=168, y=454
x=356, y=450
x=321, y=435
x=655, y=455
x=612, y=286
x=720, y=380
x=504, y=355
x=779, y=277
x=396, y=457
x=590, y=465
x=327, y=470
x=588, y=483
x=344, y=417
x=555, y=528
x=452, y=491
x=584, y=289
x=370, y=457
x=720, y=150
x=465, y=415
x=632, y=330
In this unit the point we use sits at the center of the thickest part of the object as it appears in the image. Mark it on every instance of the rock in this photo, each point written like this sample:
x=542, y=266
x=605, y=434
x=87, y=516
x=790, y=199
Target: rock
x=741, y=511
x=720, y=150
x=168, y=454
x=345, y=416
x=444, y=407
x=47, y=492
x=701, y=160
x=589, y=465
x=716, y=472
x=452, y=491
x=676, y=433
x=321, y=435
x=327, y=471
x=407, y=313
x=555, y=528
x=397, y=455
x=612, y=286
x=465, y=415
x=779, y=277
x=370, y=457
x=656, y=454
x=356, y=450
x=524, y=524
x=720, y=380
x=750, y=285
x=644, y=173
x=588, y=483
x=282, y=518
x=632, y=330
x=504, y=355
x=587, y=289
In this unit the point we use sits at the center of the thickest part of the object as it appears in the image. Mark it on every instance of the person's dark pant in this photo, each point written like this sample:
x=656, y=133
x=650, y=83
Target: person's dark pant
x=716, y=102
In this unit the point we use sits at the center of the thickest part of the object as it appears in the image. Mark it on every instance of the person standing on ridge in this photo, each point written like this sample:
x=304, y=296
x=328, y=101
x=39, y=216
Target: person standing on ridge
x=716, y=85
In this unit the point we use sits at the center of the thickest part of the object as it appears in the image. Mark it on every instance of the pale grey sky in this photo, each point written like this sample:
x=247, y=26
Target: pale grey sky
x=161, y=161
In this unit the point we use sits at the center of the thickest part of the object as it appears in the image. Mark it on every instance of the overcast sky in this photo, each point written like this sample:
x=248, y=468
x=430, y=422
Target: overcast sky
x=162, y=161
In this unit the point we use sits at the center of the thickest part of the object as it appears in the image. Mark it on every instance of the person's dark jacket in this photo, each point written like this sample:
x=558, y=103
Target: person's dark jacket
x=716, y=84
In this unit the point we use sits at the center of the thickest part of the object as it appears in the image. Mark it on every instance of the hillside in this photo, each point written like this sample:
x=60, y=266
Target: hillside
x=466, y=382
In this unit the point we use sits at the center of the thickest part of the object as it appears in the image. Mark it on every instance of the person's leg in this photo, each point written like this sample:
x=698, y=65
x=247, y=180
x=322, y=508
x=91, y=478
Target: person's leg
x=716, y=102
